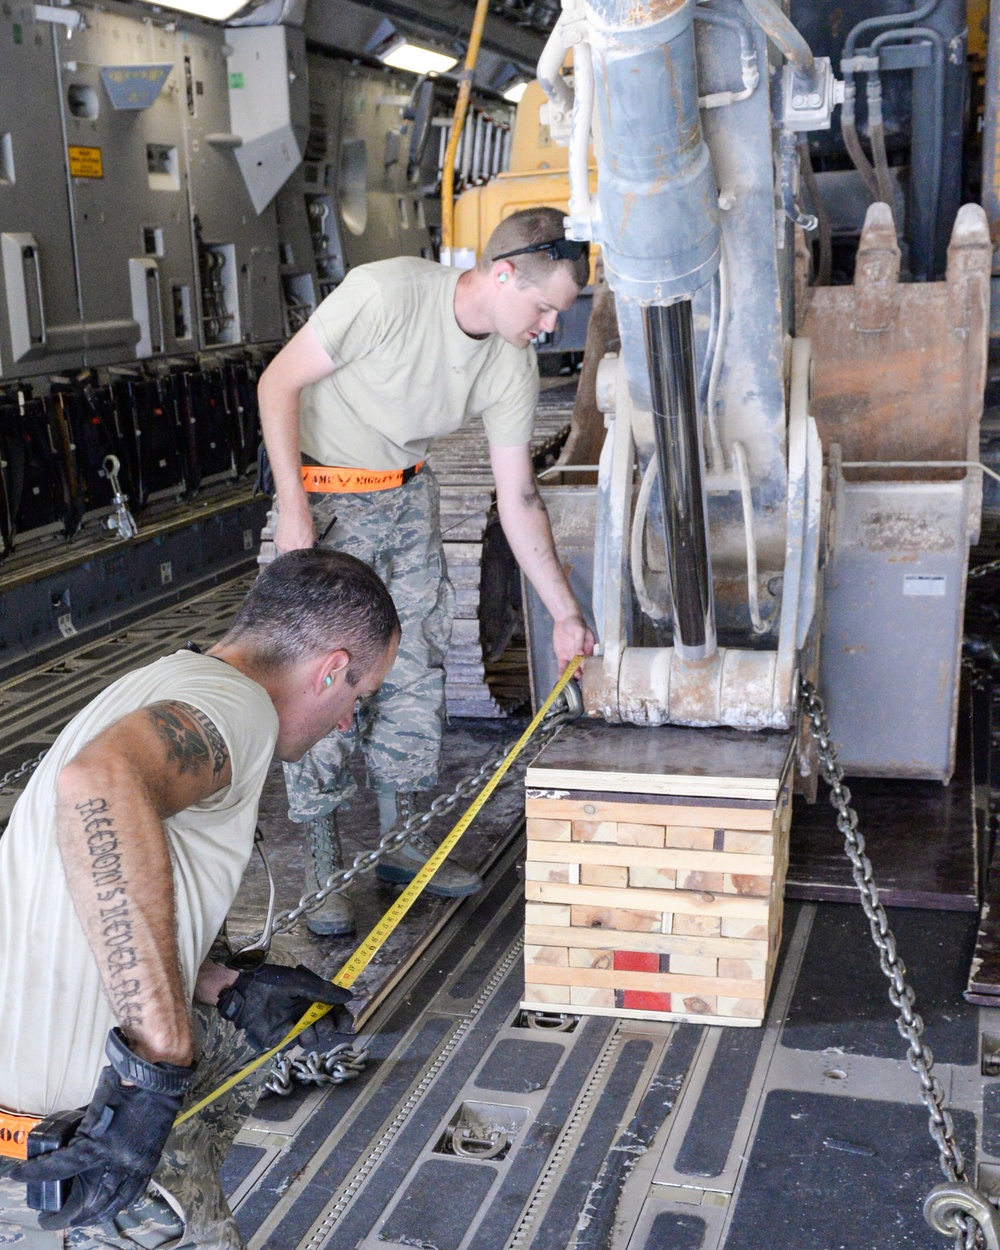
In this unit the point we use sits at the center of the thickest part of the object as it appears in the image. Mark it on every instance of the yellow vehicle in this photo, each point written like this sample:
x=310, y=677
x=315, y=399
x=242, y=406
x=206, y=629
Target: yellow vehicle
x=538, y=174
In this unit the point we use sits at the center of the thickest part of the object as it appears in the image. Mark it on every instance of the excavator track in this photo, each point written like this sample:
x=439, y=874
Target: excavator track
x=487, y=669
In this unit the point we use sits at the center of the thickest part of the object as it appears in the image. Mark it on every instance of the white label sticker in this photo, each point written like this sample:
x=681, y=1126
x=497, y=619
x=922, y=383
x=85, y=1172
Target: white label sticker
x=66, y=626
x=924, y=584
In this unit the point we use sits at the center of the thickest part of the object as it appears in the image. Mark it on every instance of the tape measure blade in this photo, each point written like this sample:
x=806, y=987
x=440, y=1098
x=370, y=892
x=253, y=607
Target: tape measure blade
x=385, y=926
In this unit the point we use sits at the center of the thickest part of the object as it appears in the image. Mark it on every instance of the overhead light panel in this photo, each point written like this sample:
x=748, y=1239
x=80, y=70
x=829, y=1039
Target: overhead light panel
x=513, y=94
x=417, y=60
x=214, y=10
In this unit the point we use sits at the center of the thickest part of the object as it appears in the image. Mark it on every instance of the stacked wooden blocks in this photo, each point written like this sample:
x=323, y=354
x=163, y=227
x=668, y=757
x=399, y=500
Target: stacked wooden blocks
x=655, y=870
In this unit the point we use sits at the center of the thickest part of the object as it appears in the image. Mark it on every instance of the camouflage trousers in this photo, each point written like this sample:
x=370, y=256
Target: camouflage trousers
x=184, y=1207
x=398, y=533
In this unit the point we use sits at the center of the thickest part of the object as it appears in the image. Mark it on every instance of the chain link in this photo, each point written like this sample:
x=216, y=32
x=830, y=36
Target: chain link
x=901, y=995
x=334, y=1067
x=22, y=770
x=981, y=570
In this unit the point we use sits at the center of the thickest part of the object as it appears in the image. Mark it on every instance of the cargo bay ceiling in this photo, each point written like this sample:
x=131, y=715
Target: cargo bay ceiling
x=513, y=37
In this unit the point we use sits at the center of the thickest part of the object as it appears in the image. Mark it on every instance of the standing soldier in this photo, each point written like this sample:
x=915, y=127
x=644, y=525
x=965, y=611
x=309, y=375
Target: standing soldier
x=405, y=350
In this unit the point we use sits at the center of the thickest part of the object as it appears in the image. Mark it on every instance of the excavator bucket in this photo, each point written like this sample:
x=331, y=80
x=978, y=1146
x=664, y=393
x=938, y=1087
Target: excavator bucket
x=897, y=394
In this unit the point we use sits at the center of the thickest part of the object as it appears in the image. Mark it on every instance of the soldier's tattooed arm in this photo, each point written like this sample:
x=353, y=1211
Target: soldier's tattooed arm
x=112, y=799
x=192, y=741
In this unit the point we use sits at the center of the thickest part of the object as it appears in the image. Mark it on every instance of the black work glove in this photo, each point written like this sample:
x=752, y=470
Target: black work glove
x=265, y=1002
x=111, y=1157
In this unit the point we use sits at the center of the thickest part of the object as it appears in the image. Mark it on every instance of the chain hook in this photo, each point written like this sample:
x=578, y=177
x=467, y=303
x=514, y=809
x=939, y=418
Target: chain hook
x=570, y=702
x=948, y=1207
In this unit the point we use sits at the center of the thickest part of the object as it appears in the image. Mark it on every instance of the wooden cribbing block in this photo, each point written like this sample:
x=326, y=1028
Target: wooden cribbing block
x=681, y=944
x=660, y=901
x=648, y=857
x=655, y=871
x=559, y=807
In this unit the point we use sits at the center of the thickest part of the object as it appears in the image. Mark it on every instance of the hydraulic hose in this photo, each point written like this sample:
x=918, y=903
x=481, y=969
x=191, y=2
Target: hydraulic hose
x=710, y=343
x=779, y=29
x=905, y=35
x=550, y=78
x=852, y=141
x=788, y=148
x=888, y=20
x=637, y=547
x=876, y=130
x=716, y=452
x=748, y=57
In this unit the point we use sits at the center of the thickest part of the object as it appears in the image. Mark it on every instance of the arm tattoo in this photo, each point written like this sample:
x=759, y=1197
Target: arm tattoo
x=191, y=739
x=117, y=956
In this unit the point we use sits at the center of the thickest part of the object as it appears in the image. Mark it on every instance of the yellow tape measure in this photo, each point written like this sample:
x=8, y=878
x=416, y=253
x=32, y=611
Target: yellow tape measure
x=364, y=954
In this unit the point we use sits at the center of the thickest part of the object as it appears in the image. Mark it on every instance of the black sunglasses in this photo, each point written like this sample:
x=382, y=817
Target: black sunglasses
x=556, y=249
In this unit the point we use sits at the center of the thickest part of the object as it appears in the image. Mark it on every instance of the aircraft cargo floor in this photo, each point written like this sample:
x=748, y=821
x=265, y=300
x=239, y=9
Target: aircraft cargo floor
x=473, y=1125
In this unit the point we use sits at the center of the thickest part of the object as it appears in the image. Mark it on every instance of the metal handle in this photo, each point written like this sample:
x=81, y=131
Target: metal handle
x=465, y=1143
x=31, y=253
x=156, y=345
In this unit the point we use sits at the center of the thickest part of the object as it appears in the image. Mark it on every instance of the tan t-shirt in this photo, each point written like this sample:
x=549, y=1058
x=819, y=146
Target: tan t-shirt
x=406, y=372
x=56, y=1016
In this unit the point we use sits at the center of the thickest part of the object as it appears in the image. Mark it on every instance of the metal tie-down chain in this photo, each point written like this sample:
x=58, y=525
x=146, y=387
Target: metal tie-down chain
x=397, y=836
x=954, y=1209
x=981, y=570
x=343, y=1063
x=22, y=770
x=332, y=1067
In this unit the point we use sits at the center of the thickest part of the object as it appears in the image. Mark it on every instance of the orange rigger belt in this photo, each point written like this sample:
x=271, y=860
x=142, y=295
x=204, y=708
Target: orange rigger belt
x=333, y=480
x=14, y=1130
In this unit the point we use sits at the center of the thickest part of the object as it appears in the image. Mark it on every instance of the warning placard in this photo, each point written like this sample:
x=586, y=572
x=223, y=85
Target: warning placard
x=85, y=162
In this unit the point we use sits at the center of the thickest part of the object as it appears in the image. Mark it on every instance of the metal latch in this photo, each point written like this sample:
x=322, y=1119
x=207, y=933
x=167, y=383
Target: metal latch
x=550, y=1022
x=471, y=1144
x=122, y=523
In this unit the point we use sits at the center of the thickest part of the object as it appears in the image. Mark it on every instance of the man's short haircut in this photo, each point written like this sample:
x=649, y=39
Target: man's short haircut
x=522, y=229
x=310, y=602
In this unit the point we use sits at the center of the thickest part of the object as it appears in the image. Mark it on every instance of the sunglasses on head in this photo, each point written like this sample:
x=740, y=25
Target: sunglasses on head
x=555, y=249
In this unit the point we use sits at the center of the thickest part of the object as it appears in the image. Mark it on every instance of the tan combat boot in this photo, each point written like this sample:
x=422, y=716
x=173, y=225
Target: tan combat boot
x=325, y=856
x=450, y=880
